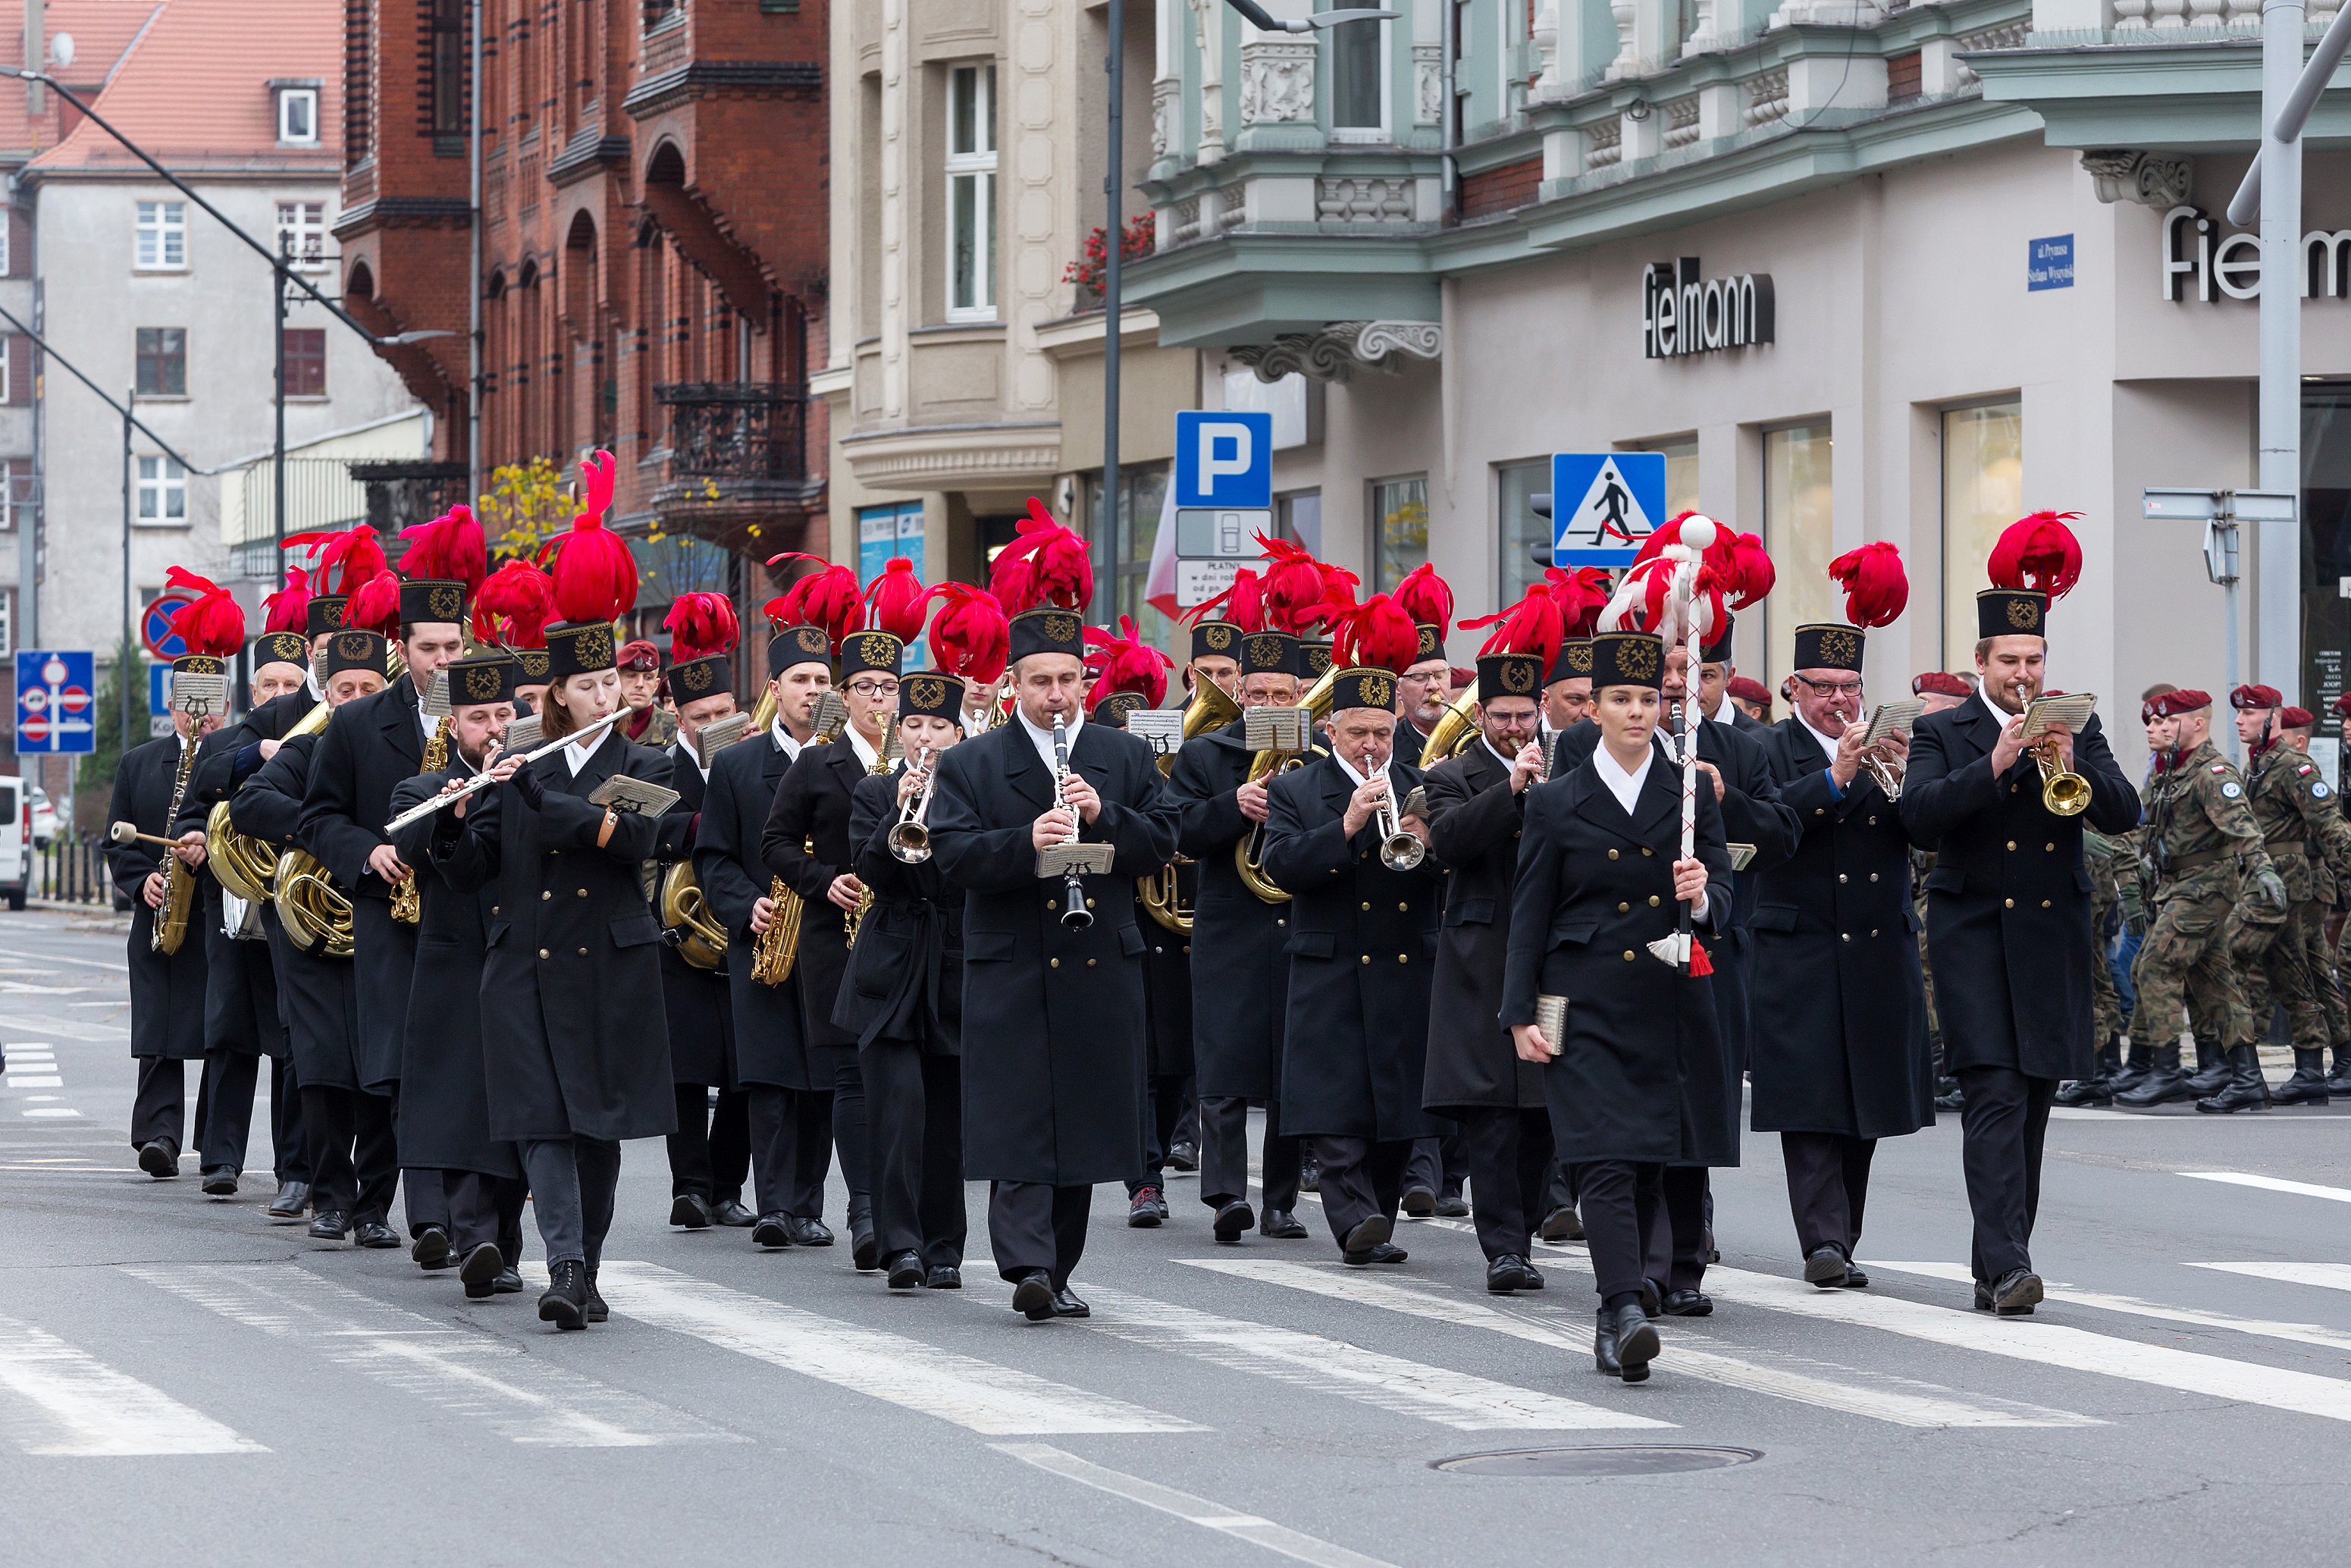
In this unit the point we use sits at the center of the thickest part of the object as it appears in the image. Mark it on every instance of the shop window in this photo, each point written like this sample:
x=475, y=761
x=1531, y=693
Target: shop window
x=162, y=362
x=1983, y=491
x=885, y=533
x=1525, y=538
x=971, y=193
x=163, y=497
x=1399, y=530
x=1799, y=533
x=306, y=362
x=1681, y=452
x=1358, y=53
x=1142, y=500
x=163, y=237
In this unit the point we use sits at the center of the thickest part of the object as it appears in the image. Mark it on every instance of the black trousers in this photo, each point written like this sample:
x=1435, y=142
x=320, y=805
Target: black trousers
x=2001, y=1132
x=1361, y=1177
x=1437, y=1164
x=352, y=1151
x=572, y=1181
x=913, y=1108
x=1188, y=1120
x=791, y=1149
x=1676, y=1233
x=850, y=1131
x=1828, y=1184
x=1559, y=1189
x=710, y=1153
x=423, y=1189
x=1619, y=1200
x=160, y=1109
x=486, y=1208
x=1164, y=1096
x=1508, y=1153
x=226, y=1124
x=1033, y=1225
x=1223, y=1153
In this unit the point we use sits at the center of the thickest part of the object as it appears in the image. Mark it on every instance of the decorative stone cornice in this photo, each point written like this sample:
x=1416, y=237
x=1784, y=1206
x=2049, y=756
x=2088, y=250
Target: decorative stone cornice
x=1333, y=353
x=955, y=457
x=2149, y=179
x=713, y=79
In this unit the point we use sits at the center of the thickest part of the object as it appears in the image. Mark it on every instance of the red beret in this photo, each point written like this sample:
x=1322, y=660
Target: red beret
x=1461, y=678
x=2342, y=705
x=2296, y=719
x=2256, y=696
x=639, y=654
x=2171, y=705
x=1753, y=691
x=1940, y=682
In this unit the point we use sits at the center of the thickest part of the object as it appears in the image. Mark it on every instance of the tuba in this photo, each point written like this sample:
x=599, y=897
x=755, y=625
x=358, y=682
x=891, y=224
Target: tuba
x=1453, y=732
x=686, y=920
x=245, y=865
x=315, y=914
x=1248, y=854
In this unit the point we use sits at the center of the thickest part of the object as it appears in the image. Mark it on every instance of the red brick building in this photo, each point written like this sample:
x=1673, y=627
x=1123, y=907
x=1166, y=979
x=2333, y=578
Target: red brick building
x=654, y=251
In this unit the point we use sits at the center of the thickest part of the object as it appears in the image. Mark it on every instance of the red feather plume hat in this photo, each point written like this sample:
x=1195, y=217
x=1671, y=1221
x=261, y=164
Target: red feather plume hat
x=595, y=576
x=2038, y=553
x=1425, y=596
x=971, y=635
x=1375, y=634
x=1535, y=625
x=449, y=549
x=1125, y=662
x=1243, y=604
x=828, y=597
x=895, y=601
x=288, y=609
x=1581, y=595
x=701, y=624
x=375, y=605
x=1044, y=564
x=213, y=623
x=514, y=605
x=350, y=558
x=1875, y=586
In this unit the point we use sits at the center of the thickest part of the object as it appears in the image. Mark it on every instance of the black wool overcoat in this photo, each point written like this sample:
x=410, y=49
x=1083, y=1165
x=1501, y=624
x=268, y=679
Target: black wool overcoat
x=905, y=984
x=1474, y=823
x=320, y=994
x=700, y=1011
x=167, y=991
x=770, y=1040
x=806, y=842
x=1240, y=969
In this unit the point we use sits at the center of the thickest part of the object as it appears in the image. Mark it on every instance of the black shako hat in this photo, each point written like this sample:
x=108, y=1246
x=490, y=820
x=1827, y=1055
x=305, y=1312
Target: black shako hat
x=1314, y=659
x=1829, y=645
x=1627, y=659
x=2012, y=612
x=1269, y=653
x=1364, y=686
x=532, y=664
x=481, y=678
x=1718, y=652
x=324, y=613
x=1574, y=659
x=691, y=680
x=426, y=599
x=1217, y=639
x=1509, y=675
x=877, y=652
x=931, y=693
x=1432, y=641
x=579, y=648
x=281, y=648
x=798, y=645
x=354, y=649
x=1047, y=630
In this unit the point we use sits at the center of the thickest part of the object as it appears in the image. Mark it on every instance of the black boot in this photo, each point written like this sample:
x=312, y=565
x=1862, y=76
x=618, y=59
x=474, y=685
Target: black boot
x=564, y=1302
x=2340, y=1082
x=2212, y=1074
x=2162, y=1084
x=2308, y=1084
x=2245, y=1088
x=1624, y=1344
x=2133, y=1071
x=2098, y=1088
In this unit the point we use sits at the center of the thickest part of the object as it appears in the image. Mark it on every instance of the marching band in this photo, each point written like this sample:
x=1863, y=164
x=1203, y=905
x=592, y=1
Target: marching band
x=496, y=894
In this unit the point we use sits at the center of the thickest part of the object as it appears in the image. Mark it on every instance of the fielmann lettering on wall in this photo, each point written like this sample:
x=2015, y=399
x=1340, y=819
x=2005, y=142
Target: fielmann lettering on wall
x=2199, y=260
x=1680, y=315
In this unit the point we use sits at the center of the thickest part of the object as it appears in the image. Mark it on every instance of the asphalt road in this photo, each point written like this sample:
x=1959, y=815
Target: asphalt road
x=178, y=1374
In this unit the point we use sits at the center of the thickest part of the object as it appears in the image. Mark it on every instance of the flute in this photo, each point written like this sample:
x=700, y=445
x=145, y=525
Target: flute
x=483, y=779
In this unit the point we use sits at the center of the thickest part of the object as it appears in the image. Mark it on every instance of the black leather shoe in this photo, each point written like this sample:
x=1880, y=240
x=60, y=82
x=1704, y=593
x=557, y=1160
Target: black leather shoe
x=1067, y=1305
x=376, y=1234
x=1147, y=1209
x=1825, y=1266
x=1688, y=1303
x=431, y=1248
x=1506, y=1275
x=480, y=1292
x=690, y=1210
x=1951, y=1100
x=1280, y=1225
x=1854, y=1280
x=2016, y=1293
x=1184, y=1157
x=1384, y=1252
x=331, y=1225
x=1366, y=1235
x=1604, y=1346
x=483, y=1263
x=2306, y=1087
x=2088, y=1092
x=1451, y=1205
x=1653, y=1298
x=2246, y=1088
x=772, y=1231
x=905, y=1270
x=1561, y=1224
x=1419, y=1202
x=2159, y=1087
x=1535, y=1279
x=160, y=1158
x=808, y=1232
x=730, y=1211
x=293, y=1197
x=1032, y=1295
x=864, y=1248
x=943, y=1277
x=564, y=1302
x=221, y=1181
x=1309, y=1173
x=507, y=1284
x=596, y=1311
x=1233, y=1218
x=1635, y=1343
x=1983, y=1297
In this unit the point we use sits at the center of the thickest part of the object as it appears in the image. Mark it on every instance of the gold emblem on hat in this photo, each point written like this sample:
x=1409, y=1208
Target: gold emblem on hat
x=355, y=645
x=927, y=692
x=1378, y=691
x=482, y=683
x=446, y=600
x=1518, y=676
x=1060, y=626
x=593, y=647
x=1430, y=643
x=1841, y=649
x=1638, y=658
x=1218, y=638
x=1264, y=651
x=877, y=648
x=1579, y=658
x=695, y=676
x=2023, y=613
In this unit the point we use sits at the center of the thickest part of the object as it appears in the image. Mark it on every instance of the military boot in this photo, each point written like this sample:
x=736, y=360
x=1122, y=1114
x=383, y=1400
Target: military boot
x=2162, y=1084
x=2132, y=1071
x=2308, y=1085
x=2246, y=1088
x=2211, y=1072
x=2340, y=1082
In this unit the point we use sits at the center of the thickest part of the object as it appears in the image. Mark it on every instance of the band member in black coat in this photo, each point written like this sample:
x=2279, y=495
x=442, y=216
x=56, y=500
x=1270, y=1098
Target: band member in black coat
x=1637, y=1083
x=1241, y=974
x=371, y=749
x=789, y=1121
x=903, y=1000
x=806, y=841
x=1361, y=940
x=346, y=1131
x=2008, y=924
x=575, y=1063
x=445, y=1123
x=1715, y=673
x=1567, y=707
x=1838, y=1021
x=1052, y=1024
x=1476, y=801
x=243, y=1025
x=710, y=1153
x=167, y=991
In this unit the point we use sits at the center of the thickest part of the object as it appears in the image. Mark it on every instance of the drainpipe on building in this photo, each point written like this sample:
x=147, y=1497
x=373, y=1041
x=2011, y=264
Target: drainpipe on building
x=474, y=270
x=1449, y=47
x=1114, y=237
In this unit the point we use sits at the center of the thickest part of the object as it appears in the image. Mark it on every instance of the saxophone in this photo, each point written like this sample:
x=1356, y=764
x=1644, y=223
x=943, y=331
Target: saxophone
x=883, y=761
x=171, y=927
x=408, y=898
x=775, y=950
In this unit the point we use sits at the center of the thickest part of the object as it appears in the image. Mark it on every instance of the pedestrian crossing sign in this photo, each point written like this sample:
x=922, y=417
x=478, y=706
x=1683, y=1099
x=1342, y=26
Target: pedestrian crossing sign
x=1604, y=505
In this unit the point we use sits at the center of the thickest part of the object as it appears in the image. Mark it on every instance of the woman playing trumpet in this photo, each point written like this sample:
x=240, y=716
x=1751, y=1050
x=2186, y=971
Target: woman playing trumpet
x=903, y=1000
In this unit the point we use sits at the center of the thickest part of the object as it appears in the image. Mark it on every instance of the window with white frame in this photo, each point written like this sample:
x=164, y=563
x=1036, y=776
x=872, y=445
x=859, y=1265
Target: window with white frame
x=1358, y=53
x=162, y=232
x=302, y=232
x=13, y=472
x=298, y=116
x=8, y=368
x=971, y=193
x=163, y=492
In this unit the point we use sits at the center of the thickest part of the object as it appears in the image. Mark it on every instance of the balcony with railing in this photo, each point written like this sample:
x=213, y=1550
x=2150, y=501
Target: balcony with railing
x=733, y=464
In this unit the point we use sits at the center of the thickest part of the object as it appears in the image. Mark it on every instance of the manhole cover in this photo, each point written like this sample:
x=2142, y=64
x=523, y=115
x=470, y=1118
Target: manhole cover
x=1627, y=1459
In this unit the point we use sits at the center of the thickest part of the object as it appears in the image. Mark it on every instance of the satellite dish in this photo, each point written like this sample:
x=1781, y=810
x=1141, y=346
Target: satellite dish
x=61, y=49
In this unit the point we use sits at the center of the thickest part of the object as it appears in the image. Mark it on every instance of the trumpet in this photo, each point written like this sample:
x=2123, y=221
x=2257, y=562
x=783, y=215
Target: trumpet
x=1399, y=850
x=1890, y=772
x=910, y=841
x=2064, y=793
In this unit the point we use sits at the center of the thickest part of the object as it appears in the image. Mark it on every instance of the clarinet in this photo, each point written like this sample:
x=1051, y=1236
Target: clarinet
x=1075, y=915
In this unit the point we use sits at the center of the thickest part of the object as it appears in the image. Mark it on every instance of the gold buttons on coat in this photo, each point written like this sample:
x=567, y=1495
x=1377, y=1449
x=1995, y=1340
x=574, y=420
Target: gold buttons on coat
x=1844, y=935
x=1873, y=876
x=1612, y=854
x=1090, y=903
x=1623, y=908
x=1367, y=908
x=1278, y=920
x=544, y=896
x=2011, y=843
x=1873, y=821
x=2008, y=904
x=1652, y=901
x=1053, y=963
x=542, y=952
x=583, y=893
x=583, y=952
x=1873, y=931
x=493, y=909
x=1840, y=879
x=1647, y=852
x=1367, y=957
x=2045, y=903
x=1404, y=907
x=1052, y=903
x=2049, y=847
x=1628, y=954
x=1402, y=958
x=1090, y=963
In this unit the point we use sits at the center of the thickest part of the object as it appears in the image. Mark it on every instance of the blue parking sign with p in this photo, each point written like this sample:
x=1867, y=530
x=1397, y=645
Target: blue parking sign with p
x=1224, y=459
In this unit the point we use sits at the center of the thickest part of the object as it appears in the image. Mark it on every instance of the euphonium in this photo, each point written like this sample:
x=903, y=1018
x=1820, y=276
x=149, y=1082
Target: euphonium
x=686, y=920
x=1453, y=732
x=245, y=865
x=1248, y=854
x=2063, y=793
x=1211, y=707
x=315, y=914
x=1163, y=897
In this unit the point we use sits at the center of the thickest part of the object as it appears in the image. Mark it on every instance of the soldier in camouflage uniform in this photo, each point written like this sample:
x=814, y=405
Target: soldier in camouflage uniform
x=2208, y=862
x=2099, y=855
x=2310, y=844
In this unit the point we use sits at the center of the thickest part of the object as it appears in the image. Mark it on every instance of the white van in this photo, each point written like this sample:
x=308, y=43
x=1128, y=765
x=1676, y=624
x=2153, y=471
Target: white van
x=15, y=839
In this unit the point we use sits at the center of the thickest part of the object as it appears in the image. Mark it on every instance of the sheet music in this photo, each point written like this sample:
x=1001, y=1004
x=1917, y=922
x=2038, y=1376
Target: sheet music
x=1894, y=718
x=2073, y=710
